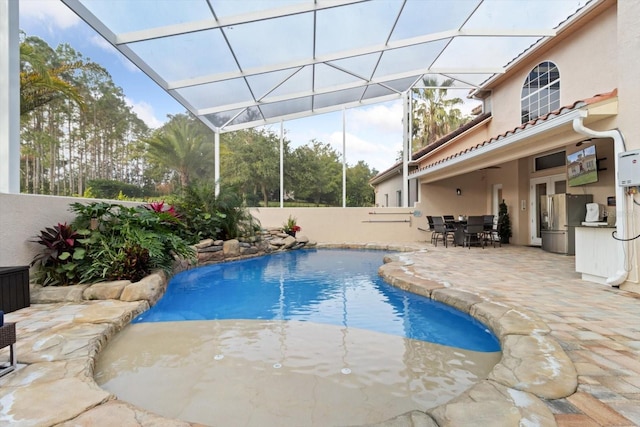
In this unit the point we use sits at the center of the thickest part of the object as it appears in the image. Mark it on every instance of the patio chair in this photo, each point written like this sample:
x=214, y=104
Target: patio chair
x=474, y=231
x=441, y=231
x=488, y=227
x=431, y=227
x=491, y=234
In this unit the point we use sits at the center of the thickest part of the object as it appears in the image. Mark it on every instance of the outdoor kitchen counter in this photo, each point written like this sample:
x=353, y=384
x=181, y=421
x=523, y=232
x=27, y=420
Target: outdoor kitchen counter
x=597, y=252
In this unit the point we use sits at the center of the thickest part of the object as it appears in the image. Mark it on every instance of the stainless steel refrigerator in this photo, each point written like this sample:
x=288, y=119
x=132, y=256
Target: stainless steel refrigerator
x=560, y=214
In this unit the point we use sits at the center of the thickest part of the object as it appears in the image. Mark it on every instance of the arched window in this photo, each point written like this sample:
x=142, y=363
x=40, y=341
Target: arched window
x=541, y=91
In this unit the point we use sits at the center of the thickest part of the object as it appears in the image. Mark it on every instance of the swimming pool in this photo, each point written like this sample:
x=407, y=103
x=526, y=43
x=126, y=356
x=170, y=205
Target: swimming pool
x=310, y=337
x=338, y=286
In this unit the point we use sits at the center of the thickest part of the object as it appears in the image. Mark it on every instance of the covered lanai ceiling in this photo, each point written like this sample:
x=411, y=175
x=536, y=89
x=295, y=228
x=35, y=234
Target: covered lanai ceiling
x=244, y=63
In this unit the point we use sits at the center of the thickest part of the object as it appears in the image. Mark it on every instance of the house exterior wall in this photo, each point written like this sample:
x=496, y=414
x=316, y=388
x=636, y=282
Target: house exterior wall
x=388, y=188
x=581, y=76
x=586, y=60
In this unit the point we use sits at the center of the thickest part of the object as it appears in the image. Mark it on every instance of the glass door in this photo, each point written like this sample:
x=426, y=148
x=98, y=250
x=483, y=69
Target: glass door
x=539, y=187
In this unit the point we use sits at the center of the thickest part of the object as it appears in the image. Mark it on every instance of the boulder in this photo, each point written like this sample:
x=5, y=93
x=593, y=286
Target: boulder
x=204, y=257
x=231, y=248
x=150, y=288
x=289, y=242
x=210, y=249
x=204, y=244
x=249, y=251
x=105, y=290
x=51, y=294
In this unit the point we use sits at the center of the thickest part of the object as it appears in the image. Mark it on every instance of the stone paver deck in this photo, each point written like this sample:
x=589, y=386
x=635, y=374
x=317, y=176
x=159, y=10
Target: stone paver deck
x=598, y=328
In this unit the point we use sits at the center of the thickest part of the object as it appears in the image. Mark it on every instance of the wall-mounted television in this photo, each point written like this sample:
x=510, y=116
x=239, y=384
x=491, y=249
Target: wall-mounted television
x=582, y=167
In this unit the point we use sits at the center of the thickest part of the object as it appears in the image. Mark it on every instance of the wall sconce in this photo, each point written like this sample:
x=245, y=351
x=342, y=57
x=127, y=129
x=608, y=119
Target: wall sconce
x=458, y=192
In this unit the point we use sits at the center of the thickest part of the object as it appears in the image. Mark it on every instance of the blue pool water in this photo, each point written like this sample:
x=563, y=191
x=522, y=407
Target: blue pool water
x=330, y=286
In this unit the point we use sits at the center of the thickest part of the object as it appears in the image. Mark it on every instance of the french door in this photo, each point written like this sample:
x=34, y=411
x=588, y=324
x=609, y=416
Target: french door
x=554, y=184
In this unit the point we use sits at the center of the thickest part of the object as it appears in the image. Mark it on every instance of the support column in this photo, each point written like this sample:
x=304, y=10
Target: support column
x=9, y=97
x=344, y=158
x=216, y=162
x=281, y=164
x=406, y=151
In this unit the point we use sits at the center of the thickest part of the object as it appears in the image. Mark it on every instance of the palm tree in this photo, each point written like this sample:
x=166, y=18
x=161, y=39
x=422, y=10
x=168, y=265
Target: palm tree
x=41, y=83
x=435, y=115
x=180, y=146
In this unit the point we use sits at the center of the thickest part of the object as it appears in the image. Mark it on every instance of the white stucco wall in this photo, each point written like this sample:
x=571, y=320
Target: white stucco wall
x=387, y=190
x=22, y=216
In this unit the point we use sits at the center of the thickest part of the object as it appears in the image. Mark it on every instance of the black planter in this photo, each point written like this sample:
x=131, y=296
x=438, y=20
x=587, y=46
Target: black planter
x=291, y=233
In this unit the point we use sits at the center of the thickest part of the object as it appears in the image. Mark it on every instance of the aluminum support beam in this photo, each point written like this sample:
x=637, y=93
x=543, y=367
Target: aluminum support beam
x=216, y=162
x=281, y=164
x=344, y=158
x=406, y=151
x=9, y=97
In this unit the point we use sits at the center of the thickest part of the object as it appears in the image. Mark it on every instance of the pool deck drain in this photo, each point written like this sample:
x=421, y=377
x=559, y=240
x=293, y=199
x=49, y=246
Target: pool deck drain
x=571, y=349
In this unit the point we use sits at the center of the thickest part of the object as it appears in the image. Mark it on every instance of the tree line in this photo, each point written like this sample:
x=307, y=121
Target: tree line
x=79, y=137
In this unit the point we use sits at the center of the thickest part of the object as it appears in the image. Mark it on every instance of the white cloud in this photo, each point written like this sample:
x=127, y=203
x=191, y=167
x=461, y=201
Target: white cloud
x=52, y=14
x=379, y=155
x=386, y=118
x=145, y=112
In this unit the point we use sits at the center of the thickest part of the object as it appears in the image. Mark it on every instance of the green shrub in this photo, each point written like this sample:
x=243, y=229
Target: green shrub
x=207, y=216
x=61, y=260
x=112, y=242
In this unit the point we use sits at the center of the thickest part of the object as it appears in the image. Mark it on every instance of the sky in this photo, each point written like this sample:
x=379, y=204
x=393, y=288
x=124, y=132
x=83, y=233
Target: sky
x=373, y=133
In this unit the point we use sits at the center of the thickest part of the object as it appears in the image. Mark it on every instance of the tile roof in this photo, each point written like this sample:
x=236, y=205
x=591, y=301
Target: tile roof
x=448, y=137
x=463, y=128
x=560, y=111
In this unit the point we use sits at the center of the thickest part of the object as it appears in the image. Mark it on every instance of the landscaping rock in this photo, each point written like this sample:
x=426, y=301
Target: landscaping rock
x=205, y=257
x=51, y=294
x=105, y=290
x=150, y=288
x=210, y=249
x=251, y=250
x=119, y=313
x=288, y=242
x=536, y=364
x=493, y=405
x=231, y=248
x=204, y=243
x=59, y=343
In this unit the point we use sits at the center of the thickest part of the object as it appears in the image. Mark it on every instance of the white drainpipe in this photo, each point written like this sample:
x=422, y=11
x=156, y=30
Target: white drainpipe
x=621, y=201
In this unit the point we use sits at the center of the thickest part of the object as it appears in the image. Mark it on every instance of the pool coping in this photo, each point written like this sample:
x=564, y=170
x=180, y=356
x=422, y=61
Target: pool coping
x=533, y=367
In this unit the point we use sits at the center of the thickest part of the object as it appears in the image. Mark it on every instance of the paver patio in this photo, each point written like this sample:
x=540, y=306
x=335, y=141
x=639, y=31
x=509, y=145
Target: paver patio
x=597, y=326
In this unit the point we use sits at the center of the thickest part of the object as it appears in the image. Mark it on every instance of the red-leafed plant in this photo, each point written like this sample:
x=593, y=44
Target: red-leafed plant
x=63, y=250
x=160, y=207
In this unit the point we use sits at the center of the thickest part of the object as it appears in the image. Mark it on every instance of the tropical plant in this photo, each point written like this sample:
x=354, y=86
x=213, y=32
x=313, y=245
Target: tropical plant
x=504, y=223
x=126, y=243
x=59, y=262
x=208, y=216
x=435, y=114
x=41, y=82
x=291, y=226
x=181, y=146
